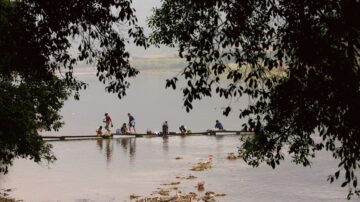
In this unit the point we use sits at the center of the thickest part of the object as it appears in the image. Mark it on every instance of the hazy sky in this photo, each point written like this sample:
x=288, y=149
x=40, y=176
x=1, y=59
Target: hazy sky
x=144, y=8
x=143, y=11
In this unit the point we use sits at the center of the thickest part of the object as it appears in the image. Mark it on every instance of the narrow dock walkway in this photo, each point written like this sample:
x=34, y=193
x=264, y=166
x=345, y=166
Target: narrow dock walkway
x=140, y=135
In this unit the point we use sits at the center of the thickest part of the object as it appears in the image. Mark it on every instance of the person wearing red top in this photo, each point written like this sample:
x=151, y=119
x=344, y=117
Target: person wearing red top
x=108, y=121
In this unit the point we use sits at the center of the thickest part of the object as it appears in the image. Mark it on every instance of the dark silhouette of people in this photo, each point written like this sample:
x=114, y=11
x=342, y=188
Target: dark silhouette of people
x=218, y=125
x=182, y=130
x=165, y=129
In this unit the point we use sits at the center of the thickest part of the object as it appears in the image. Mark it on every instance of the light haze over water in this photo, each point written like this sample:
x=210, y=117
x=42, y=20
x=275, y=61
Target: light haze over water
x=111, y=170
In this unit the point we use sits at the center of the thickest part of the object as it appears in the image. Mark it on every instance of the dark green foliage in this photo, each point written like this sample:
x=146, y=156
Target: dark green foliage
x=298, y=61
x=37, y=59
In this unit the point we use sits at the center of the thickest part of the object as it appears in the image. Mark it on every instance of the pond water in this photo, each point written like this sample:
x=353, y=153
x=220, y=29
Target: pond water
x=148, y=101
x=111, y=170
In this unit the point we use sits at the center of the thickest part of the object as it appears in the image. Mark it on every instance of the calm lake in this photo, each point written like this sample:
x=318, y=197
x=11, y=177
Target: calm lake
x=111, y=170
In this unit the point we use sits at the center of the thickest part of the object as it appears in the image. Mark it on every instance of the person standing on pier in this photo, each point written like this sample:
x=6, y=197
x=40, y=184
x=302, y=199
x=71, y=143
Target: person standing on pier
x=108, y=121
x=165, y=129
x=131, y=123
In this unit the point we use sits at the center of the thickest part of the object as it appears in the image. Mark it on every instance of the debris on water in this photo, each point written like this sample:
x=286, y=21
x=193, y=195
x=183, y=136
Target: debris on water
x=173, y=193
x=174, y=188
x=164, y=192
x=176, y=198
x=172, y=184
x=201, y=166
x=232, y=156
x=200, y=186
x=154, y=199
x=209, y=196
x=133, y=196
x=179, y=158
x=190, y=177
x=208, y=199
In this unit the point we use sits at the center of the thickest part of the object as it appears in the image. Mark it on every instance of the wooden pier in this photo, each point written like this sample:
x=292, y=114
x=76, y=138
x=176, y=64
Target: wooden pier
x=139, y=135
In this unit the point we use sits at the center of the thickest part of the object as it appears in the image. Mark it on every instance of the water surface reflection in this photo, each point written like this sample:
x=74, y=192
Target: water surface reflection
x=106, y=147
x=128, y=145
x=112, y=169
x=165, y=145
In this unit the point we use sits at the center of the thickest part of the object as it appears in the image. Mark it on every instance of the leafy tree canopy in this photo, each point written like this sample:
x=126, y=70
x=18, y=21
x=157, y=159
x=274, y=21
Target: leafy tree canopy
x=298, y=61
x=37, y=39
